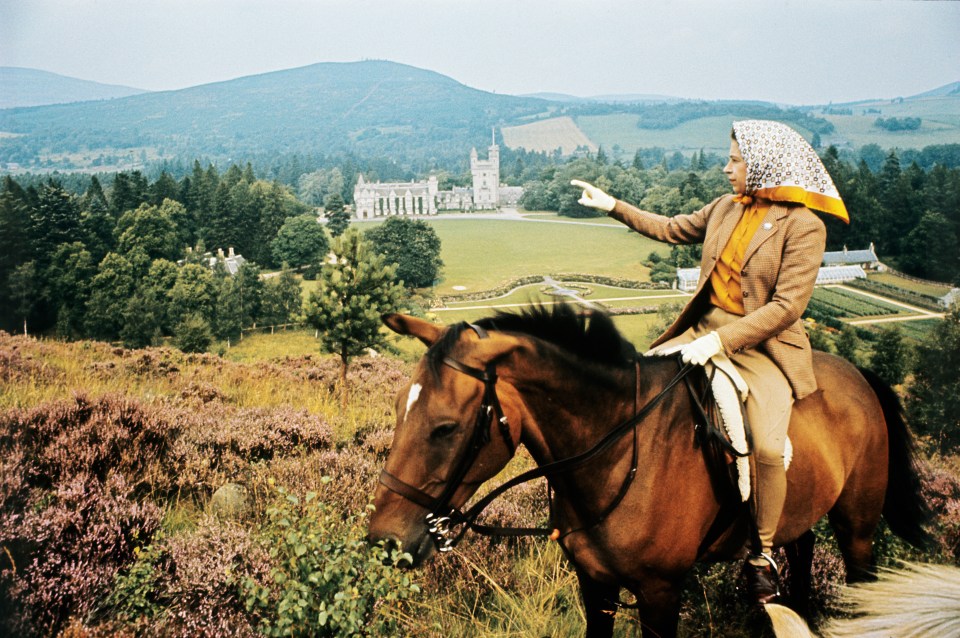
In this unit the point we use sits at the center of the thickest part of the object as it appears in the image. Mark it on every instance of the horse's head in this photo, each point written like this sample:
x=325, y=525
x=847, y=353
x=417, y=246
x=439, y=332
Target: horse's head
x=456, y=428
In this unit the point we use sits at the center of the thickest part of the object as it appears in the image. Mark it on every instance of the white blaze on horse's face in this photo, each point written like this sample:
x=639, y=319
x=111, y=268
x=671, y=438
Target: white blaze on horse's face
x=412, y=398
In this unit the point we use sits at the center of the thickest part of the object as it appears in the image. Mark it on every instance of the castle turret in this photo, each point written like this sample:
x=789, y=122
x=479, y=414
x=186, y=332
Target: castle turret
x=486, y=178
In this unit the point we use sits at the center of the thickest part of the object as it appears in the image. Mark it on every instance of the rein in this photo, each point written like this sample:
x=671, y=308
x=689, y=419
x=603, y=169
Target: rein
x=442, y=518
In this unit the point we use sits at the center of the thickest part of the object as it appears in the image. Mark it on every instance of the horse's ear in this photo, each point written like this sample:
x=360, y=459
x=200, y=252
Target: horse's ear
x=413, y=327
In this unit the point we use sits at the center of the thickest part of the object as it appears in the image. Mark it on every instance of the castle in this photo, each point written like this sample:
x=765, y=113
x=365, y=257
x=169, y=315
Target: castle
x=381, y=199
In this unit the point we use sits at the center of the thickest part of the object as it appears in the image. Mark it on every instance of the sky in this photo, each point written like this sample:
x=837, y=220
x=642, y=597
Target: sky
x=785, y=51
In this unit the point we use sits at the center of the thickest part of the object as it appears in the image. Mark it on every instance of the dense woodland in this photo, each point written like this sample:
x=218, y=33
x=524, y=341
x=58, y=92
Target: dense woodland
x=97, y=256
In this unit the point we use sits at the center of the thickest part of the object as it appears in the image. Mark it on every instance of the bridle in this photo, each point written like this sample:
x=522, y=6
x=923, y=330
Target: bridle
x=442, y=519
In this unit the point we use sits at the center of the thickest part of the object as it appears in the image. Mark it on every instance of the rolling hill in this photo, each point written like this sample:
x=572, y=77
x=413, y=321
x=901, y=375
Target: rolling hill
x=689, y=126
x=370, y=108
x=31, y=87
x=416, y=117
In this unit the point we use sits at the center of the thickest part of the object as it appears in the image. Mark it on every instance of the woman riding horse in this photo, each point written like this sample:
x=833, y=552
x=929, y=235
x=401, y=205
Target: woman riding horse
x=762, y=249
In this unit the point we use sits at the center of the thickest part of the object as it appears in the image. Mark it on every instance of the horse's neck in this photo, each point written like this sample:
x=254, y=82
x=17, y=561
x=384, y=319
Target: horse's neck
x=571, y=412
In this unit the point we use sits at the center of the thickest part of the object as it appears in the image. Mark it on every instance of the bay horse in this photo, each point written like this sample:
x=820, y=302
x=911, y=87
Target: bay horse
x=634, y=505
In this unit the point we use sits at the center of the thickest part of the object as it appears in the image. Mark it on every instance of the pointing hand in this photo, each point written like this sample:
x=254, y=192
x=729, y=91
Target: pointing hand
x=593, y=197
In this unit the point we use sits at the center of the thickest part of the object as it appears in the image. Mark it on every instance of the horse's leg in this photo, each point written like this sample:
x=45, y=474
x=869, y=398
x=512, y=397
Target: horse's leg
x=659, y=605
x=599, y=602
x=855, y=538
x=800, y=558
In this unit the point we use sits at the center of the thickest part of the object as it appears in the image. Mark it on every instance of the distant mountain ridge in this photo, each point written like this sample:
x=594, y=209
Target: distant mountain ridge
x=33, y=87
x=371, y=107
x=416, y=118
x=627, y=98
x=948, y=89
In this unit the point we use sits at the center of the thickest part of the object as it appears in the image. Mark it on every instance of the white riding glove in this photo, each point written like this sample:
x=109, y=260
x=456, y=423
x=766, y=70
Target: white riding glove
x=702, y=349
x=593, y=197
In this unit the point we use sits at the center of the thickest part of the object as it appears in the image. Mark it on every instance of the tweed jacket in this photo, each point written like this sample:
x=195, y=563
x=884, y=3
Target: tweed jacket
x=779, y=271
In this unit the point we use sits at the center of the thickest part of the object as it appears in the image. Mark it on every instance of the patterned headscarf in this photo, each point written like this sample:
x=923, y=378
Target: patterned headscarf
x=781, y=166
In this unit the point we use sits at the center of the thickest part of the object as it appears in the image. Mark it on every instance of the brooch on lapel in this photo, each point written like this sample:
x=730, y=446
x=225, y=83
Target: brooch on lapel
x=767, y=226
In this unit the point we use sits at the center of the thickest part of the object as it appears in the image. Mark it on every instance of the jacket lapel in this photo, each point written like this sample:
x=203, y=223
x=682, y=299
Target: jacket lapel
x=766, y=230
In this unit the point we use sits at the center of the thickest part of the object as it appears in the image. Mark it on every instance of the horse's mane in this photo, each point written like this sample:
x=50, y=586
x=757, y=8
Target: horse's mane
x=591, y=336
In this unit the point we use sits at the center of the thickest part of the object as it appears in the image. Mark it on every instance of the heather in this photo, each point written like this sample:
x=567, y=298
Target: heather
x=112, y=464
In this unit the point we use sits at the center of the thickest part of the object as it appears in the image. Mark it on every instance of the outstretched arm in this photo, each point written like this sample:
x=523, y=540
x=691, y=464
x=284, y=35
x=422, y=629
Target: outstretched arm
x=682, y=229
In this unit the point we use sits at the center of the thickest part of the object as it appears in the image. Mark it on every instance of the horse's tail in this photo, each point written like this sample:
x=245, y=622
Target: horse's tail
x=899, y=603
x=904, y=507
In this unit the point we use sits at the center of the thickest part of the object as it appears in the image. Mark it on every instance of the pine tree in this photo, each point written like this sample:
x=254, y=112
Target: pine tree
x=354, y=290
x=338, y=219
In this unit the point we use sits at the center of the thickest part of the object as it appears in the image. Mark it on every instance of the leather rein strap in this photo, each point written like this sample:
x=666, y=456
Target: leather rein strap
x=442, y=518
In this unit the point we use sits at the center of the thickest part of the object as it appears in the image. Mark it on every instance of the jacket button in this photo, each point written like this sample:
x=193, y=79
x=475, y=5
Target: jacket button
x=746, y=294
x=744, y=273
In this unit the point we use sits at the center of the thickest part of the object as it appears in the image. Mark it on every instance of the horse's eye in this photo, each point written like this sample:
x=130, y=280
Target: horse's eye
x=442, y=431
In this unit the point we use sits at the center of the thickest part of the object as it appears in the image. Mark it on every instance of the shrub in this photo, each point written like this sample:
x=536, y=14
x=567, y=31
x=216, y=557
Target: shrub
x=193, y=334
x=70, y=544
x=325, y=580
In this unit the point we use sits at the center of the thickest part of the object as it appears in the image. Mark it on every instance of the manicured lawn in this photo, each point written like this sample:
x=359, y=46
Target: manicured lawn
x=533, y=293
x=551, y=216
x=481, y=254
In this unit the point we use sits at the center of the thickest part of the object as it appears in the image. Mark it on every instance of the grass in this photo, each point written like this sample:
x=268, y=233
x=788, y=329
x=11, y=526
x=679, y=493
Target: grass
x=547, y=135
x=933, y=290
x=55, y=370
x=482, y=254
x=940, y=125
x=712, y=134
x=541, y=215
x=263, y=346
x=912, y=330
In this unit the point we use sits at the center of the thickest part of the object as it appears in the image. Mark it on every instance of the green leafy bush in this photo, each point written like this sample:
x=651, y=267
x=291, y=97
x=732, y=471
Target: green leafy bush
x=326, y=580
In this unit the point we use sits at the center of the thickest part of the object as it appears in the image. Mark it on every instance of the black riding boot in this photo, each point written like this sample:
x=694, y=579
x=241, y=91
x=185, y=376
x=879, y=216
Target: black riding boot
x=762, y=579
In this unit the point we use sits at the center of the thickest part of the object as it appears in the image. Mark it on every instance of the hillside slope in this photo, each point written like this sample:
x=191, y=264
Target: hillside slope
x=32, y=87
x=371, y=107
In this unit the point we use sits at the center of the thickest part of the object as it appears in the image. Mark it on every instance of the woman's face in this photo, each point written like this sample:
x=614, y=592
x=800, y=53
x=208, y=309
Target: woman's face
x=736, y=169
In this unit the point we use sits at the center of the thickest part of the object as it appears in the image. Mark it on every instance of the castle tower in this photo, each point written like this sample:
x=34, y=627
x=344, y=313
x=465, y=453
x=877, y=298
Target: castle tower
x=486, y=177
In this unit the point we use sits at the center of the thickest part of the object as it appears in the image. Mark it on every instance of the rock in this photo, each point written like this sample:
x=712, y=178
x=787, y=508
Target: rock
x=230, y=501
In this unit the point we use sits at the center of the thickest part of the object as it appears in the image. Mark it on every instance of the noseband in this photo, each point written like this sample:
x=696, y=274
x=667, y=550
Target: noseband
x=442, y=519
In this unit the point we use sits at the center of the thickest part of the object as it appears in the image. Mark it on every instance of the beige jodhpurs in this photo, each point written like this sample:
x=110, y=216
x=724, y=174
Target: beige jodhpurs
x=768, y=412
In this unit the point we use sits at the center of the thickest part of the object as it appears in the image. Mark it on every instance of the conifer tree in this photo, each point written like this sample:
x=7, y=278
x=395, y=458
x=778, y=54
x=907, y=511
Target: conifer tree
x=355, y=288
x=338, y=219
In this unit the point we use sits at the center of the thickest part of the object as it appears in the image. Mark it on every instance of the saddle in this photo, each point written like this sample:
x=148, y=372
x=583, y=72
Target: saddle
x=718, y=396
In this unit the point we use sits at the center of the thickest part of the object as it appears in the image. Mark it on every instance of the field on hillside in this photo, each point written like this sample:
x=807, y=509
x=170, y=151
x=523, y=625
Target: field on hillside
x=858, y=130
x=547, y=136
x=712, y=134
x=940, y=125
